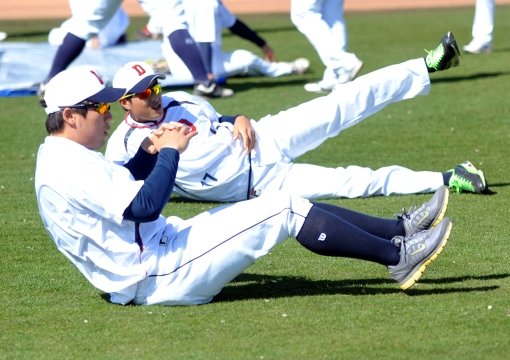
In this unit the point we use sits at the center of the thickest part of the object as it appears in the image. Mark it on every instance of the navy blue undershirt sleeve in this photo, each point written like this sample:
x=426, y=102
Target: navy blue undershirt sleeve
x=241, y=29
x=228, y=118
x=156, y=190
x=141, y=164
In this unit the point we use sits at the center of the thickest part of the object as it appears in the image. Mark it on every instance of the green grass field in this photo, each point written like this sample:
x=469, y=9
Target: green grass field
x=293, y=304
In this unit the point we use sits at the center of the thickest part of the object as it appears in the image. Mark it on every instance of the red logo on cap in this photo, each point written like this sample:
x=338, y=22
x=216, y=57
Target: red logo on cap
x=139, y=69
x=97, y=76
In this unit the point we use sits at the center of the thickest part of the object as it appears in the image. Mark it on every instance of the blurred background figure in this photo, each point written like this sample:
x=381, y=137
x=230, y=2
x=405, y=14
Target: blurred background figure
x=483, y=27
x=170, y=17
x=206, y=24
x=322, y=22
x=89, y=18
x=114, y=33
x=154, y=27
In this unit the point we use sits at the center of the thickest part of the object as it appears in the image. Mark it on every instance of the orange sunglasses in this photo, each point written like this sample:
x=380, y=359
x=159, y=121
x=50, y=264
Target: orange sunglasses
x=102, y=107
x=155, y=89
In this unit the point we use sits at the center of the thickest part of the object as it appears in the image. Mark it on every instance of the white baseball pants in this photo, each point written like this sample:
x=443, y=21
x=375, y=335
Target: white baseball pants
x=322, y=22
x=201, y=255
x=483, y=23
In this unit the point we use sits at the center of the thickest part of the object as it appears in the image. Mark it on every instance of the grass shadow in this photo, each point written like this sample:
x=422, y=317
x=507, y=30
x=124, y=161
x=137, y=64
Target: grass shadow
x=260, y=286
x=256, y=286
x=476, y=76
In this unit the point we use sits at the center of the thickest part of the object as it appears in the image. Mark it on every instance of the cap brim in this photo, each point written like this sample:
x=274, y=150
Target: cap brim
x=144, y=83
x=108, y=94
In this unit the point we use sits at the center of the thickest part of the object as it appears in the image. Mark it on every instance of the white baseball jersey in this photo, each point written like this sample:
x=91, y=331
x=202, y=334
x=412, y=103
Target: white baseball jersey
x=215, y=168
x=82, y=197
x=213, y=165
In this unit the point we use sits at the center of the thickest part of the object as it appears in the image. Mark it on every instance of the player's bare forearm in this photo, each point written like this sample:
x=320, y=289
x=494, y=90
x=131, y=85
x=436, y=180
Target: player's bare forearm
x=243, y=129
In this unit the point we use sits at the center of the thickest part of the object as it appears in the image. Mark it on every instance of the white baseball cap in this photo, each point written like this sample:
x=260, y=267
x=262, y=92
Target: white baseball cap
x=77, y=84
x=135, y=77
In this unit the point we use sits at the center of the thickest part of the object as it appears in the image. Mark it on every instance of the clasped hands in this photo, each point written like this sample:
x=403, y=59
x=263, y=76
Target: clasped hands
x=177, y=136
x=169, y=135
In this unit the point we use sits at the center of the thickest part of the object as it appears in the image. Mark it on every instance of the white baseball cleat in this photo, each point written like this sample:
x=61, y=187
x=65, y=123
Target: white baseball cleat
x=349, y=75
x=3, y=35
x=319, y=87
x=477, y=48
x=344, y=75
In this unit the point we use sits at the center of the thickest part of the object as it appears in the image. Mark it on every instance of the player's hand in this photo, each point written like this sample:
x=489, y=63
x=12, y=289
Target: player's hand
x=171, y=135
x=244, y=130
x=149, y=143
x=268, y=53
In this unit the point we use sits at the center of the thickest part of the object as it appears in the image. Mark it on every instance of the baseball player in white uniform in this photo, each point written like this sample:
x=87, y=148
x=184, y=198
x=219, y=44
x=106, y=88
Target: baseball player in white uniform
x=233, y=158
x=112, y=34
x=483, y=28
x=90, y=17
x=106, y=218
x=206, y=21
x=322, y=22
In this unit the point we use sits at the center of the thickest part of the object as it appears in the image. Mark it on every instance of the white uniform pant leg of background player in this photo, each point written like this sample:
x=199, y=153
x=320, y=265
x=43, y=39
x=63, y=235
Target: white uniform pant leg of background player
x=244, y=62
x=483, y=23
x=293, y=132
x=89, y=17
x=211, y=249
x=322, y=24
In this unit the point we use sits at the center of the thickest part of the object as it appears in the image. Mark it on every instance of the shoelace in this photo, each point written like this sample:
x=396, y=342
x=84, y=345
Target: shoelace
x=406, y=214
x=435, y=55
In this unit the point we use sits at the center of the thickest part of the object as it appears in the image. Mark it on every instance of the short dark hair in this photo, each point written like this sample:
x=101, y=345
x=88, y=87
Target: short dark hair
x=55, y=121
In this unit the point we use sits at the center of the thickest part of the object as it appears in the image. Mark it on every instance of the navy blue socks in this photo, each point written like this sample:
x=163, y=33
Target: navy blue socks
x=334, y=231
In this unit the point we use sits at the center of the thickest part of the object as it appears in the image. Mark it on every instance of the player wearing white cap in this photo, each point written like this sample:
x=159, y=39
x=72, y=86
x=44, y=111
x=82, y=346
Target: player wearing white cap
x=233, y=158
x=91, y=16
x=106, y=218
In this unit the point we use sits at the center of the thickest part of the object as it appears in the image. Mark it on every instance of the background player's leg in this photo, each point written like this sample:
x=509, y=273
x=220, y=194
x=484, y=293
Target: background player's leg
x=185, y=47
x=67, y=52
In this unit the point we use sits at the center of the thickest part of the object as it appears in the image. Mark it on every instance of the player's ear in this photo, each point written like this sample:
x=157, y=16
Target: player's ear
x=125, y=104
x=69, y=116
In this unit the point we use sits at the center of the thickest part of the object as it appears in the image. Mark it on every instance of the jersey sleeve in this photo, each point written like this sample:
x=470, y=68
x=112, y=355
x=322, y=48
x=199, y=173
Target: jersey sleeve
x=106, y=189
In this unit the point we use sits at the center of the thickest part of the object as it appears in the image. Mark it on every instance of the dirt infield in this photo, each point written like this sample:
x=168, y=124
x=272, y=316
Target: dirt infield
x=34, y=9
